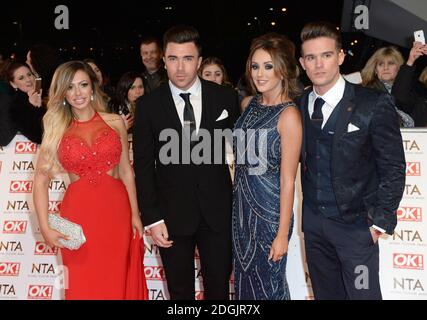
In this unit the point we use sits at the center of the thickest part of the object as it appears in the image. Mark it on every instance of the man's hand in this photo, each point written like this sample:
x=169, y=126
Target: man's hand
x=375, y=234
x=160, y=236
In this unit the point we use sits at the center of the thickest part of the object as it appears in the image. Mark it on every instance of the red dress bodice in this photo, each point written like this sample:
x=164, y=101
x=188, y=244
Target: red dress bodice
x=90, y=149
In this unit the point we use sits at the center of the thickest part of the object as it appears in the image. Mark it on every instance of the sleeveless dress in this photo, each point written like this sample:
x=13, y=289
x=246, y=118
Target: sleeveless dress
x=256, y=205
x=100, y=204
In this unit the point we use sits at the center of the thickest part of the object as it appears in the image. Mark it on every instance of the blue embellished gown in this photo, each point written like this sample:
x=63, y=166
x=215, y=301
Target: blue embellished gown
x=256, y=204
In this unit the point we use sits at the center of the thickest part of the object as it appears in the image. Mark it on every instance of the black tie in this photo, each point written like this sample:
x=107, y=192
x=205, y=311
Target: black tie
x=317, y=116
x=189, y=120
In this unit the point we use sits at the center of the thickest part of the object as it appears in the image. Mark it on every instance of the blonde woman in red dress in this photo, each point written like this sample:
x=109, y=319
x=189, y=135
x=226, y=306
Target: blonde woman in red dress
x=92, y=147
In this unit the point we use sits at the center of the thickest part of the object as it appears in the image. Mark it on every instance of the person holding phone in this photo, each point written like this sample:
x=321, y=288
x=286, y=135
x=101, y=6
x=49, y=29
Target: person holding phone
x=129, y=88
x=411, y=94
x=26, y=108
x=380, y=72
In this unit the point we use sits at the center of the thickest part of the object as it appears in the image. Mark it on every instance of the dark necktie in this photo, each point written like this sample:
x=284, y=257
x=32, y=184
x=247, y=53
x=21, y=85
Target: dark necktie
x=317, y=116
x=189, y=120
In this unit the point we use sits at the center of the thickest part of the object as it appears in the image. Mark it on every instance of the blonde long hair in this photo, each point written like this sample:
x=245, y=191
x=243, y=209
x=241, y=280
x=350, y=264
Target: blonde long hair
x=59, y=115
x=369, y=75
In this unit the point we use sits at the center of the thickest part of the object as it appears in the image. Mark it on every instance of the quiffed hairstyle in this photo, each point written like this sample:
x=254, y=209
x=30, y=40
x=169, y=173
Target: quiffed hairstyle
x=182, y=34
x=314, y=30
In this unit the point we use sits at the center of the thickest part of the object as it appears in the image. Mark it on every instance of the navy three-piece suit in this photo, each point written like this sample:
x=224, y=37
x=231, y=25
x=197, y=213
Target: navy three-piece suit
x=351, y=180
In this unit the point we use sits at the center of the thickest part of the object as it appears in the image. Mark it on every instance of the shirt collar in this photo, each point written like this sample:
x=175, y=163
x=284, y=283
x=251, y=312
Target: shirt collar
x=334, y=95
x=194, y=90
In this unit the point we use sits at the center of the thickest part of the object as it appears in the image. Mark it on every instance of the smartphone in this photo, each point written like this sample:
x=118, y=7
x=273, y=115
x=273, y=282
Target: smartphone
x=38, y=85
x=419, y=36
x=124, y=111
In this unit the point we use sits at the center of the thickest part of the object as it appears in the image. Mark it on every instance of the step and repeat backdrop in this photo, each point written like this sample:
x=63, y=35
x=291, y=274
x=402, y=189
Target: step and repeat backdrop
x=31, y=270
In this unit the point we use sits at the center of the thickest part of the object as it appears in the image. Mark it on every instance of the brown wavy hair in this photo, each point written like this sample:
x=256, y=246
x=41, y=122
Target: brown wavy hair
x=282, y=52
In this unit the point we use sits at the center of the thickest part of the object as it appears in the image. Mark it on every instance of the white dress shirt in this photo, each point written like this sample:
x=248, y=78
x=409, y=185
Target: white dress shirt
x=332, y=97
x=195, y=99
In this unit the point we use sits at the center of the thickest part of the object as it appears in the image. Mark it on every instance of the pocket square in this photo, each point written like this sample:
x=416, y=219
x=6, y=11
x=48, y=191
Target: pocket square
x=224, y=115
x=352, y=128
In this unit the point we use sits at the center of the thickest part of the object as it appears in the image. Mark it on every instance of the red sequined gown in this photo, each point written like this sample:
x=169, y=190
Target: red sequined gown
x=100, y=204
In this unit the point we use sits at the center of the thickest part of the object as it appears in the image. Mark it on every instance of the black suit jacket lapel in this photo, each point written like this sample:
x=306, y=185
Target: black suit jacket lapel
x=345, y=112
x=206, y=106
x=170, y=108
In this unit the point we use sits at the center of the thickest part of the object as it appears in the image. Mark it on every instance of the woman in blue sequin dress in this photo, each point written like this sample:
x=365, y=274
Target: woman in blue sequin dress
x=268, y=139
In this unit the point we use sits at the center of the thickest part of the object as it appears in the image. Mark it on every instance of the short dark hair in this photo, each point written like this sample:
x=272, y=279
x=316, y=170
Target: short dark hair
x=148, y=40
x=320, y=29
x=182, y=34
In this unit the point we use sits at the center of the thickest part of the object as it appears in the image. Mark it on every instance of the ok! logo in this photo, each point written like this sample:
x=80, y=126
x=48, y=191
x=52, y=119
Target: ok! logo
x=21, y=187
x=15, y=227
x=413, y=169
x=9, y=269
x=410, y=214
x=408, y=261
x=43, y=249
x=25, y=147
x=40, y=292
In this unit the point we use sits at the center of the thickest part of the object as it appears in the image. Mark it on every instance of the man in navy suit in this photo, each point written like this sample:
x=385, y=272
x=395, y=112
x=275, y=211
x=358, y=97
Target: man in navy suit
x=186, y=203
x=353, y=172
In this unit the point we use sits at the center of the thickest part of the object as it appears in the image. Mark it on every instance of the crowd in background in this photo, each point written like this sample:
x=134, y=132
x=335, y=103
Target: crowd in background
x=22, y=108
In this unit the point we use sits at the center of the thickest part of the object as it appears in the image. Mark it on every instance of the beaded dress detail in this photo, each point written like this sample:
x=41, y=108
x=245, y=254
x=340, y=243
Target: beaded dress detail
x=100, y=204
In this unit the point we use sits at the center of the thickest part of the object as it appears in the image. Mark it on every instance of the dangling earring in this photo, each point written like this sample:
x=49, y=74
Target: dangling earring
x=92, y=98
x=65, y=103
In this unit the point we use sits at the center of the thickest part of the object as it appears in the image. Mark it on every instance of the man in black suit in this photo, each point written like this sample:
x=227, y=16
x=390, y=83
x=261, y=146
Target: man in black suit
x=185, y=203
x=353, y=172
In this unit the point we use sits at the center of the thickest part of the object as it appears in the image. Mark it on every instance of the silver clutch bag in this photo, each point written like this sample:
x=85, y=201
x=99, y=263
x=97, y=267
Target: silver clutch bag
x=70, y=229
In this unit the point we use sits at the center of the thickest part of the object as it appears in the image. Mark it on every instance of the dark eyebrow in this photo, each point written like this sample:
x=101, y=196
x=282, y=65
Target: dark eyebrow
x=79, y=82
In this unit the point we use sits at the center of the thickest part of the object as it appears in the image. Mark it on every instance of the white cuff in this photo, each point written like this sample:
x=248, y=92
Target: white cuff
x=154, y=224
x=378, y=228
